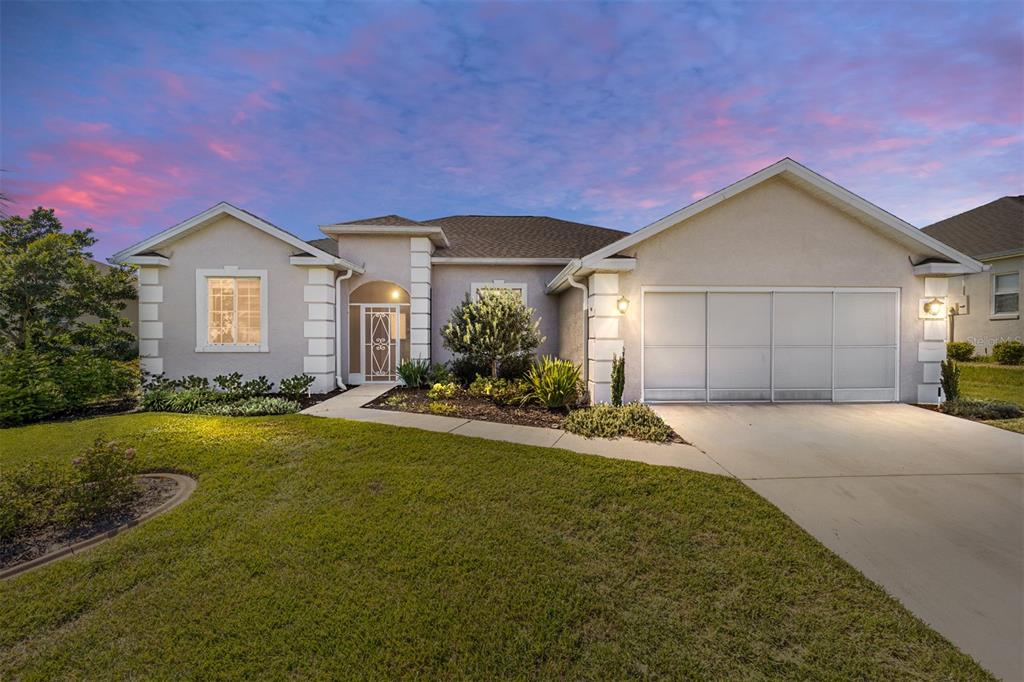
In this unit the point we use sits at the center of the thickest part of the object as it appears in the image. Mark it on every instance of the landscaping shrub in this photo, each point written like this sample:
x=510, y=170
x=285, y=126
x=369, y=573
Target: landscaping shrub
x=251, y=407
x=516, y=366
x=36, y=386
x=30, y=498
x=439, y=374
x=981, y=409
x=414, y=372
x=950, y=379
x=634, y=420
x=193, y=382
x=618, y=378
x=102, y=480
x=440, y=407
x=466, y=369
x=1008, y=352
x=191, y=399
x=492, y=328
x=961, y=351
x=500, y=391
x=297, y=386
x=255, y=387
x=229, y=383
x=554, y=383
x=441, y=391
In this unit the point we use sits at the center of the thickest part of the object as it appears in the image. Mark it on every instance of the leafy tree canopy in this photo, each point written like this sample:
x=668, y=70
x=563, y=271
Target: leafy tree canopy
x=494, y=327
x=53, y=297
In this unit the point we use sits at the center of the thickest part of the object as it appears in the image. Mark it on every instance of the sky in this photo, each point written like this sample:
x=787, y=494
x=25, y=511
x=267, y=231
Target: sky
x=129, y=118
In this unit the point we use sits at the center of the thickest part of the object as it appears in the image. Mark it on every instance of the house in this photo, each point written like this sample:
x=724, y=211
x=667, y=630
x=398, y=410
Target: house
x=781, y=287
x=986, y=306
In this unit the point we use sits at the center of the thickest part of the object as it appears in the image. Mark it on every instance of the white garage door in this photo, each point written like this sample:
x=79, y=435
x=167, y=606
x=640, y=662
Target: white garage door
x=773, y=344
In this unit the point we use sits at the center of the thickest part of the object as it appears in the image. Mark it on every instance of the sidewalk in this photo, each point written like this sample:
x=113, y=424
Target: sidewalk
x=349, y=404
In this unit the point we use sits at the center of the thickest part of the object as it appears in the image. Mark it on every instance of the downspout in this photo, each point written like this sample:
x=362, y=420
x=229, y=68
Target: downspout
x=586, y=322
x=337, y=328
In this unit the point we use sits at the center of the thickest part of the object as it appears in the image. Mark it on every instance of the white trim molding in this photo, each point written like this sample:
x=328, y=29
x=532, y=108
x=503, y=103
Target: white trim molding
x=149, y=261
x=202, y=311
x=578, y=269
x=420, y=249
x=434, y=234
x=320, y=262
x=151, y=329
x=459, y=260
x=993, y=315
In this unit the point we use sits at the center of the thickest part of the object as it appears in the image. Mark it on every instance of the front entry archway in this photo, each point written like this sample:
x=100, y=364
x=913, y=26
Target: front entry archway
x=378, y=332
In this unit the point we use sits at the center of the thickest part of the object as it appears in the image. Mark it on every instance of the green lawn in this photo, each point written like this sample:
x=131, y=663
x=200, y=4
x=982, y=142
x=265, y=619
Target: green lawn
x=331, y=549
x=995, y=382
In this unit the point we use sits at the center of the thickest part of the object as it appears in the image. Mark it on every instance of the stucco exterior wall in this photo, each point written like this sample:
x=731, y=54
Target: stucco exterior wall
x=773, y=235
x=230, y=242
x=570, y=325
x=451, y=283
x=978, y=325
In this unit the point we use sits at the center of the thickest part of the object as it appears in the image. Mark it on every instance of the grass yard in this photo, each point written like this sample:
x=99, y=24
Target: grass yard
x=995, y=382
x=320, y=548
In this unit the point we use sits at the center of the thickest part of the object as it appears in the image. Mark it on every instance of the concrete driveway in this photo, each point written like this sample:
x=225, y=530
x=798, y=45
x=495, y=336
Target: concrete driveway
x=929, y=506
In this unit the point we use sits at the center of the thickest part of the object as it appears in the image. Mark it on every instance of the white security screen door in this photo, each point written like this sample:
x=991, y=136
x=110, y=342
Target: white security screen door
x=381, y=337
x=771, y=344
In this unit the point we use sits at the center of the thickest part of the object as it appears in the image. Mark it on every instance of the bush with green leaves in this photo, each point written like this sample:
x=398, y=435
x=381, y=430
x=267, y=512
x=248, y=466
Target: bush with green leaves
x=950, y=379
x=439, y=374
x=466, y=369
x=961, y=351
x=618, y=378
x=442, y=391
x=31, y=497
x=297, y=386
x=228, y=383
x=494, y=327
x=554, y=383
x=258, y=406
x=981, y=409
x=441, y=407
x=1008, y=352
x=414, y=372
x=516, y=366
x=633, y=420
x=500, y=391
x=191, y=399
x=102, y=480
x=36, y=386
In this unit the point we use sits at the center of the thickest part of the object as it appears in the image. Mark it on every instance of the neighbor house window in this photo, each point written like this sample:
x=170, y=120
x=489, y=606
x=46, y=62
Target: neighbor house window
x=518, y=287
x=1006, y=294
x=231, y=310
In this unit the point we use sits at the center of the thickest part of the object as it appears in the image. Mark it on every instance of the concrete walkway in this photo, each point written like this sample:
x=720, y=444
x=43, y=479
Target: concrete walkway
x=929, y=506
x=348, y=405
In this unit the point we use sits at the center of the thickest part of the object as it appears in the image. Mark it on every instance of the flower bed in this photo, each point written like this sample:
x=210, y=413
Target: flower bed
x=465, y=406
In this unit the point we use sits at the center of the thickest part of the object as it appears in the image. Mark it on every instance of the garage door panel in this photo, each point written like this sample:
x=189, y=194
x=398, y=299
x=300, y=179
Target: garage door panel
x=674, y=319
x=867, y=319
x=666, y=367
x=739, y=368
x=803, y=368
x=739, y=319
x=865, y=367
x=803, y=319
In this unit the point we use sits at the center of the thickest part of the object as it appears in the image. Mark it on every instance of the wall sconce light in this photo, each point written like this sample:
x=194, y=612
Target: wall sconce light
x=933, y=309
x=395, y=293
x=622, y=304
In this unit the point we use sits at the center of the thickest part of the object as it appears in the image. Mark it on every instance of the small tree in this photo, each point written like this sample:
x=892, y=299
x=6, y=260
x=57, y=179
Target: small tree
x=618, y=378
x=52, y=297
x=494, y=327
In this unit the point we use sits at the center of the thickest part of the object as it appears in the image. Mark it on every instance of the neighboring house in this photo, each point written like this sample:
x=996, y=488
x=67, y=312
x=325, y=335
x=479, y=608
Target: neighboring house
x=989, y=302
x=783, y=286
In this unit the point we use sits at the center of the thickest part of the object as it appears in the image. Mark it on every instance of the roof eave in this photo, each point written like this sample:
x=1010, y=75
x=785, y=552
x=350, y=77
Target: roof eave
x=435, y=234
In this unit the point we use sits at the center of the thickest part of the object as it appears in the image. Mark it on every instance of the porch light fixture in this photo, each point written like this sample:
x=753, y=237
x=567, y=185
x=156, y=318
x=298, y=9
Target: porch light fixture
x=622, y=304
x=933, y=308
x=395, y=294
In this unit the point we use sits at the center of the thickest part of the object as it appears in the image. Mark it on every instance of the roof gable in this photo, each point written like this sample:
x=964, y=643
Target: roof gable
x=818, y=186
x=991, y=230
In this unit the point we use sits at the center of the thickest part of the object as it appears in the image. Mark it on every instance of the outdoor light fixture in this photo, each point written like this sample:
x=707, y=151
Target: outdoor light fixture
x=395, y=294
x=933, y=308
x=622, y=304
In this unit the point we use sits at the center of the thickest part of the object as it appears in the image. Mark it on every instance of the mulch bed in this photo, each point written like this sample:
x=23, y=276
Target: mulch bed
x=468, y=407
x=310, y=400
x=155, y=491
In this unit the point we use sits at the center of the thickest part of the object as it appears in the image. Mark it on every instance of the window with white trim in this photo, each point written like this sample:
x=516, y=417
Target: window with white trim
x=502, y=284
x=231, y=310
x=1006, y=293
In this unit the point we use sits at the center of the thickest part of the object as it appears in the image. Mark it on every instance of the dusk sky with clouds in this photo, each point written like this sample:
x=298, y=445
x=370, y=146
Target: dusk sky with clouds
x=129, y=118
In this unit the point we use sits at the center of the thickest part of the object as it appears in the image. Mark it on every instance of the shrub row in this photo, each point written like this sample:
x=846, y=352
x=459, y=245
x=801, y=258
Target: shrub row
x=40, y=496
x=981, y=409
x=232, y=397
x=1008, y=352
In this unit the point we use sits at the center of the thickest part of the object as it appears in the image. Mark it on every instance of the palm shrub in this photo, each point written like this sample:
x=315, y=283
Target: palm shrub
x=950, y=379
x=618, y=378
x=1008, y=352
x=554, y=383
x=493, y=328
x=961, y=351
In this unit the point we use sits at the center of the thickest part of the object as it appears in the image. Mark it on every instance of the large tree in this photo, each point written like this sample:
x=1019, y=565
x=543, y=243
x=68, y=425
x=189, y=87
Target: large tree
x=53, y=297
x=494, y=327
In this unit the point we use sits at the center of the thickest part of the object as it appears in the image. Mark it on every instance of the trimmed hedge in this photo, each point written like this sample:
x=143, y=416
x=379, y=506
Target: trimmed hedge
x=981, y=409
x=961, y=351
x=1008, y=352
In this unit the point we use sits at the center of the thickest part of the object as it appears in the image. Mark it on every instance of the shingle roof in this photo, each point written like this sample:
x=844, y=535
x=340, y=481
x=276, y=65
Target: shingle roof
x=993, y=229
x=482, y=236
x=328, y=244
x=390, y=220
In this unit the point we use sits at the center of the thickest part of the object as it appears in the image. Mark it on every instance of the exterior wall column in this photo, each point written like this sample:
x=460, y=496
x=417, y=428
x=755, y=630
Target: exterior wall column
x=420, y=249
x=318, y=329
x=151, y=329
x=931, y=351
x=603, y=338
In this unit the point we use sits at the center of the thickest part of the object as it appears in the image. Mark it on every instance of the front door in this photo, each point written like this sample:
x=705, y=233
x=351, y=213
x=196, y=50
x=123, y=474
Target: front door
x=381, y=335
